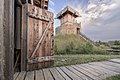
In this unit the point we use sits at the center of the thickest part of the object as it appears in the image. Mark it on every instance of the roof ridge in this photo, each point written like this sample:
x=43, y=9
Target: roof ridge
x=68, y=8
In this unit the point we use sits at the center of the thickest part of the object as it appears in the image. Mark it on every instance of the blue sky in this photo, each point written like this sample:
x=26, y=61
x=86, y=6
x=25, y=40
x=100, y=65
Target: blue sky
x=100, y=18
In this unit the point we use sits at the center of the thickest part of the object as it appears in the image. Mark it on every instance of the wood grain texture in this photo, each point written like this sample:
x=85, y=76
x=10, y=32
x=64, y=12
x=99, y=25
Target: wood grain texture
x=63, y=74
x=24, y=40
x=21, y=76
x=36, y=39
x=85, y=72
x=47, y=74
x=114, y=69
x=78, y=73
x=39, y=75
x=16, y=75
x=30, y=75
x=90, y=71
x=70, y=74
x=115, y=60
x=56, y=74
x=110, y=72
x=112, y=64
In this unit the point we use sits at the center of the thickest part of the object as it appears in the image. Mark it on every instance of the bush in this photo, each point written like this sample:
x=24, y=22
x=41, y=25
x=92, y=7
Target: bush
x=117, y=42
x=116, y=47
x=72, y=49
x=86, y=49
x=100, y=51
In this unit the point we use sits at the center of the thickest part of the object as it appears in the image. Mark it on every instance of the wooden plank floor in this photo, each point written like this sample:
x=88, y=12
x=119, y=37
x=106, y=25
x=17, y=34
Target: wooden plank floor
x=89, y=71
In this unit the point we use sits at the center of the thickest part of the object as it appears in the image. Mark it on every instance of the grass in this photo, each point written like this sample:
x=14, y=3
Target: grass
x=74, y=44
x=63, y=60
x=117, y=77
x=62, y=41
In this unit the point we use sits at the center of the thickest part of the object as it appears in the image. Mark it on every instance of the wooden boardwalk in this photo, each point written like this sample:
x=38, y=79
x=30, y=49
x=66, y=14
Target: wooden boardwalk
x=90, y=71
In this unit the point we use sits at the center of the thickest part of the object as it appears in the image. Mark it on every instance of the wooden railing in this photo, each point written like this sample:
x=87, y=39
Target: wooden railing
x=112, y=50
x=86, y=38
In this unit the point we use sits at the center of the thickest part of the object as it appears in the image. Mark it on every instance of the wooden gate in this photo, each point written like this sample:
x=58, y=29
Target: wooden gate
x=36, y=37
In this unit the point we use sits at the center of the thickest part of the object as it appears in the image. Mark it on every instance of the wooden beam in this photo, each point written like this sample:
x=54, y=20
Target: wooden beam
x=40, y=17
x=41, y=59
x=24, y=40
x=6, y=39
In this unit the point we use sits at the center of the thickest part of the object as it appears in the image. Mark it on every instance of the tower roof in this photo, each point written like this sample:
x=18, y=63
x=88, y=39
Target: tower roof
x=68, y=9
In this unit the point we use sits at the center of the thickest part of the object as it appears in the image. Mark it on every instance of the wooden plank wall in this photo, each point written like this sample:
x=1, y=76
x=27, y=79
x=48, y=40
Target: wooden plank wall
x=35, y=30
x=23, y=40
x=6, y=39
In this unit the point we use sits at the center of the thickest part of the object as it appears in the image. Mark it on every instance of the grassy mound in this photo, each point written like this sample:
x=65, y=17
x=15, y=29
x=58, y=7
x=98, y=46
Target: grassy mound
x=62, y=41
x=74, y=44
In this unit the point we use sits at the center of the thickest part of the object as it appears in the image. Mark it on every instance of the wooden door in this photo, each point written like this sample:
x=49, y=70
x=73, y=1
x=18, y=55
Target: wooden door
x=37, y=38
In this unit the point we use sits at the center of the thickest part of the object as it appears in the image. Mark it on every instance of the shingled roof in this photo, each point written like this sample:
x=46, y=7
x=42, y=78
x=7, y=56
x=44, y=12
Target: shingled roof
x=68, y=9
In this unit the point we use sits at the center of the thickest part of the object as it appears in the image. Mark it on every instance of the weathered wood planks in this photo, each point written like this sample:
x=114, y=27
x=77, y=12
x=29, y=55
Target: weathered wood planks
x=47, y=74
x=21, y=76
x=36, y=38
x=16, y=75
x=90, y=71
x=56, y=74
x=39, y=75
x=112, y=64
x=84, y=77
x=70, y=74
x=115, y=60
x=107, y=67
x=30, y=75
x=63, y=74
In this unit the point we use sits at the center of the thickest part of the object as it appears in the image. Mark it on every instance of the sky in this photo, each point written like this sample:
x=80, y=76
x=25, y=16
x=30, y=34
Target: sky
x=100, y=19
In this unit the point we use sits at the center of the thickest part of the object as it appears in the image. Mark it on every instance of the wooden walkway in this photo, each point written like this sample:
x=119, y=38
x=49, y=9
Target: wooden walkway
x=90, y=71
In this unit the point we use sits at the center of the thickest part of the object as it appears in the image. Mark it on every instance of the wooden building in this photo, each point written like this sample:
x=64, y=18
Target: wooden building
x=34, y=35
x=26, y=36
x=68, y=23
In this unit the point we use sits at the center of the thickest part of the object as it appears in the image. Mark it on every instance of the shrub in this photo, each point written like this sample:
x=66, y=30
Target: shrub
x=117, y=42
x=72, y=49
x=100, y=51
x=116, y=47
x=86, y=49
x=71, y=44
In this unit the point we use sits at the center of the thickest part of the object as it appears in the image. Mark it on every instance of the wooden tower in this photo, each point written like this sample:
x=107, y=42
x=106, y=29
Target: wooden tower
x=68, y=23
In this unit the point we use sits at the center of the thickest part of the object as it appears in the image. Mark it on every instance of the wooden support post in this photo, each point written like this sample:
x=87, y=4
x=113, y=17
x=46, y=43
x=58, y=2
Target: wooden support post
x=18, y=28
x=24, y=40
x=6, y=39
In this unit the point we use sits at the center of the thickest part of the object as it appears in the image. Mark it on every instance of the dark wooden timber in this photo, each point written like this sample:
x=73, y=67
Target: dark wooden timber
x=6, y=39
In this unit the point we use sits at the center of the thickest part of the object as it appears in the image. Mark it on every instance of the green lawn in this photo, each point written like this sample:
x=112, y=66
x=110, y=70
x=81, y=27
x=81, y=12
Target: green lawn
x=62, y=60
x=117, y=77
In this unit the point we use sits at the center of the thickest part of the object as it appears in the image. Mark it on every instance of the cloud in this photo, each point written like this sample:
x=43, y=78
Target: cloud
x=95, y=11
x=100, y=20
x=51, y=9
x=51, y=3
